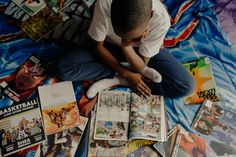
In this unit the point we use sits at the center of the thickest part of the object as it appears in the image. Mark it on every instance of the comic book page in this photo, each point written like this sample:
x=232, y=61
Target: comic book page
x=112, y=117
x=206, y=87
x=191, y=145
x=166, y=148
x=64, y=143
x=59, y=107
x=31, y=7
x=20, y=85
x=104, y=148
x=217, y=125
x=42, y=23
x=21, y=126
x=147, y=118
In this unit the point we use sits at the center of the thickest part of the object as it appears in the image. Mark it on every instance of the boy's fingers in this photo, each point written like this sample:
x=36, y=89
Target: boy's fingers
x=145, y=87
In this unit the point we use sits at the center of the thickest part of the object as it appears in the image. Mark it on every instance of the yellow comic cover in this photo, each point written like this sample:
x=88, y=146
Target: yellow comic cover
x=59, y=107
x=205, y=86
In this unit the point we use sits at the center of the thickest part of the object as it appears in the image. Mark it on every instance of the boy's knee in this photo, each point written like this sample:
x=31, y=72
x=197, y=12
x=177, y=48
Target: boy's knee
x=187, y=87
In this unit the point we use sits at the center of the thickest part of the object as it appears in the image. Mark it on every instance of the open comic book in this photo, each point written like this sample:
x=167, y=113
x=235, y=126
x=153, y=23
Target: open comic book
x=21, y=126
x=63, y=143
x=59, y=107
x=206, y=87
x=21, y=84
x=126, y=116
x=114, y=148
x=217, y=124
x=104, y=148
x=191, y=145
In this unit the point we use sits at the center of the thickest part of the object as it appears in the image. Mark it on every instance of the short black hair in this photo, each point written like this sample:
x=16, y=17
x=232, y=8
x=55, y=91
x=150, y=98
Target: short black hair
x=126, y=15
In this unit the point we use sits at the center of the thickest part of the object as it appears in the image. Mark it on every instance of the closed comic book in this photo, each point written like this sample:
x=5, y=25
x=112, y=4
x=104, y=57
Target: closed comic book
x=58, y=5
x=21, y=126
x=217, y=124
x=42, y=23
x=191, y=145
x=166, y=148
x=31, y=7
x=21, y=84
x=205, y=86
x=64, y=143
x=59, y=107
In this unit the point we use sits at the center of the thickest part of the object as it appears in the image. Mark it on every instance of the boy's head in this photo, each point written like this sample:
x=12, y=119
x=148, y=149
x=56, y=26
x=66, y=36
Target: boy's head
x=130, y=18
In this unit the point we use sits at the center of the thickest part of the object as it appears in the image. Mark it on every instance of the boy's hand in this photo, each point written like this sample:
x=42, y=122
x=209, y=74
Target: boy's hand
x=137, y=82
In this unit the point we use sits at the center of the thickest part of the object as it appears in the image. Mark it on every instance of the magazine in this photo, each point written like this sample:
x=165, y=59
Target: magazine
x=15, y=12
x=126, y=116
x=59, y=107
x=58, y=5
x=42, y=23
x=166, y=148
x=205, y=87
x=104, y=148
x=217, y=124
x=21, y=126
x=31, y=7
x=63, y=143
x=191, y=145
x=20, y=85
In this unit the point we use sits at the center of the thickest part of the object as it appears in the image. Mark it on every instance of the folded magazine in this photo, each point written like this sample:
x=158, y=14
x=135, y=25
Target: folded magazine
x=126, y=116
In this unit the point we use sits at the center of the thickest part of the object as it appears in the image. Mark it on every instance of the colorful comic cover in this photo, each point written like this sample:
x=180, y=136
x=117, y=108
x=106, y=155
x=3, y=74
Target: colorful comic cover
x=63, y=143
x=125, y=116
x=58, y=5
x=191, y=145
x=104, y=148
x=31, y=7
x=42, y=23
x=217, y=124
x=166, y=148
x=139, y=148
x=59, y=107
x=28, y=152
x=24, y=82
x=21, y=126
x=205, y=86
x=16, y=12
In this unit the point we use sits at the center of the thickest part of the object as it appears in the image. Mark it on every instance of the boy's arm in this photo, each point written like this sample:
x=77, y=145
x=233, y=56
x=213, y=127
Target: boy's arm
x=136, y=62
x=136, y=80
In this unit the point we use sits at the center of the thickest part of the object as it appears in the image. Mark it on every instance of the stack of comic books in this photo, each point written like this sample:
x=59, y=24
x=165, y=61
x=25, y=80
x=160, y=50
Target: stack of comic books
x=182, y=143
x=63, y=124
x=29, y=127
x=37, y=18
x=205, y=86
x=216, y=122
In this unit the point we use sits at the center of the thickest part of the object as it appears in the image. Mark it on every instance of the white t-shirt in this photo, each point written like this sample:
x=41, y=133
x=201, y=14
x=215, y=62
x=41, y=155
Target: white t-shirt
x=101, y=28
